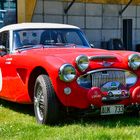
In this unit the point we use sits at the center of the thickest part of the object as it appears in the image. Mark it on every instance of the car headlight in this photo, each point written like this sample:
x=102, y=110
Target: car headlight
x=130, y=78
x=82, y=62
x=134, y=61
x=67, y=73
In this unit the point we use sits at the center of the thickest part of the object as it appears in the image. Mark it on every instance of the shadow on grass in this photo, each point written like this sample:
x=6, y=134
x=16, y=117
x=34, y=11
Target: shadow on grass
x=22, y=108
x=110, y=121
x=104, y=121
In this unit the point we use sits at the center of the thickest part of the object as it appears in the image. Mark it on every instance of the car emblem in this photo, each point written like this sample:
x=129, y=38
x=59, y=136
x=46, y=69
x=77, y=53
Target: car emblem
x=106, y=64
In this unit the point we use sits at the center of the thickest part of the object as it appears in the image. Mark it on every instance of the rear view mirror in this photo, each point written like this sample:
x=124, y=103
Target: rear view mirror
x=3, y=50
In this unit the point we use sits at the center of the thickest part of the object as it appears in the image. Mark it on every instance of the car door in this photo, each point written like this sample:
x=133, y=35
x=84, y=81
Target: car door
x=16, y=72
x=4, y=43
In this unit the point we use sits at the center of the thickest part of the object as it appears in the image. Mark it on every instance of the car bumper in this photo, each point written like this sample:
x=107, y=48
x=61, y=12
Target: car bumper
x=83, y=98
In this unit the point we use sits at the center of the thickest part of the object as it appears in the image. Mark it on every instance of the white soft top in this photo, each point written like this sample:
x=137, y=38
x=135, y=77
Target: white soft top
x=37, y=26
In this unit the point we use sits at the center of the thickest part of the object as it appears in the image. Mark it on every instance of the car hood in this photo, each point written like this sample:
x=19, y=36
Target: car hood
x=99, y=58
x=69, y=54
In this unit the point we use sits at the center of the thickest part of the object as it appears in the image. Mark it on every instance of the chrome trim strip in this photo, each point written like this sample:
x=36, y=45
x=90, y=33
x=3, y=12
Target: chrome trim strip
x=98, y=70
x=102, y=57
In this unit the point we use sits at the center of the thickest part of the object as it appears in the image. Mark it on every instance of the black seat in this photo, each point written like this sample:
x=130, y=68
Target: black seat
x=48, y=37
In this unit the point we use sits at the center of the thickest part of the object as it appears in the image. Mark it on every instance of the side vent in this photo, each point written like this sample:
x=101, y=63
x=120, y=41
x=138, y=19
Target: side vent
x=22, y=73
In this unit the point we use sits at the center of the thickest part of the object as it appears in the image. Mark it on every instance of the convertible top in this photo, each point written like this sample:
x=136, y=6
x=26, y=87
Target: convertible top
x=37, y=26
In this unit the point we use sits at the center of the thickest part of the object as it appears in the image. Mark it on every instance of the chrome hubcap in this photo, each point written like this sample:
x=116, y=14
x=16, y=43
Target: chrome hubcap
x=39, y=102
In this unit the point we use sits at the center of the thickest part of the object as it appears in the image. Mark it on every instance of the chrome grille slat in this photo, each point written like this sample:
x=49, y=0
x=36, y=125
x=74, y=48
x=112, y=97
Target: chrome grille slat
x=101, y=77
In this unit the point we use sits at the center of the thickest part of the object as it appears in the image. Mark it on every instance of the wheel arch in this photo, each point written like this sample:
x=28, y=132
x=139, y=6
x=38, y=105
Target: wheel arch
x=32, y=78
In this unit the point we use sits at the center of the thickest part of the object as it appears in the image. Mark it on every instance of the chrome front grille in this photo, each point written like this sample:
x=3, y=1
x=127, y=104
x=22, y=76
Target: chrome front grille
x=101, y=77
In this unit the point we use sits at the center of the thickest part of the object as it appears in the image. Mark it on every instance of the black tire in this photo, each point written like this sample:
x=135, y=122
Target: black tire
x=136, y=113
x=46, y=104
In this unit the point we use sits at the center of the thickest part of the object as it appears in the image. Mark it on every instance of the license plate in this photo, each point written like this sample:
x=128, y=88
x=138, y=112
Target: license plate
x=112, y=109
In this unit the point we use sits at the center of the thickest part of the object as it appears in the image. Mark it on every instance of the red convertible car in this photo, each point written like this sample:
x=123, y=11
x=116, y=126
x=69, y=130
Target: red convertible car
x=54, y=67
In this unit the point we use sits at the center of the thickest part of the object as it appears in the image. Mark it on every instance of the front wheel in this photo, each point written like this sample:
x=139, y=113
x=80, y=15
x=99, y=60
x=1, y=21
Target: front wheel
x=46, y=104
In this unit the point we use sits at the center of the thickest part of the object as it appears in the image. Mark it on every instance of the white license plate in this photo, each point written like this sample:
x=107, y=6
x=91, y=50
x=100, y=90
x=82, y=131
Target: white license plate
x=112, y=109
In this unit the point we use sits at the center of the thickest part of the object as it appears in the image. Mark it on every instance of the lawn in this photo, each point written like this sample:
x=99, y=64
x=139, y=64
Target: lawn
x=17, y=122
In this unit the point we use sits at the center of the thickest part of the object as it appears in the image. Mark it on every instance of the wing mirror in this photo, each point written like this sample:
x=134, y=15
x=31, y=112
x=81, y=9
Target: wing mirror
x=3, y=50
x=92, y=45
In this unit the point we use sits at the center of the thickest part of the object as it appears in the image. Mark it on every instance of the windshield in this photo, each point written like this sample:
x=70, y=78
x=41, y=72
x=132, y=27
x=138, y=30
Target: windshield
x=49, y=38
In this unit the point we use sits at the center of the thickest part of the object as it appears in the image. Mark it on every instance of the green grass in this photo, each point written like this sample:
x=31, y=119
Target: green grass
x=17, y=122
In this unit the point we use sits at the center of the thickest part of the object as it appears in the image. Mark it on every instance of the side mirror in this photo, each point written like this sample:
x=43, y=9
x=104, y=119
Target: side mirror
x=92, y=45
x=3, y=50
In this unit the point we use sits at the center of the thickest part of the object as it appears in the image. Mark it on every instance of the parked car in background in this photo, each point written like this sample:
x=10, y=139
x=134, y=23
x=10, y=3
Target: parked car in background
x=54, y=67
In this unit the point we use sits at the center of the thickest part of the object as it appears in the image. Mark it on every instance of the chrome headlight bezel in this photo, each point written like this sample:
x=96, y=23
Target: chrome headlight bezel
x=130, y=78
x=134, y=61
x=67, y=73
x=82, y=62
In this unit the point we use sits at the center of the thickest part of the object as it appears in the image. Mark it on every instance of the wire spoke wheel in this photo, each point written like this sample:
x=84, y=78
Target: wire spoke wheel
x=39, y=102
x=46, y=104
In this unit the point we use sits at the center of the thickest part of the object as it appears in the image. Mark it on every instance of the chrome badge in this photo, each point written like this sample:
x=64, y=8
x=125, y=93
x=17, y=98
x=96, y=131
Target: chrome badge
x=106, y=64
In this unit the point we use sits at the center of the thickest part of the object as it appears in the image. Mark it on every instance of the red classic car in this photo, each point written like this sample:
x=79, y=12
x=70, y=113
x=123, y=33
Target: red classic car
x=54, y=67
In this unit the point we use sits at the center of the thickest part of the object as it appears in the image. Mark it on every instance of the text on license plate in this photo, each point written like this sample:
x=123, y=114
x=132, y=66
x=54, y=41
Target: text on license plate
x=112, y=109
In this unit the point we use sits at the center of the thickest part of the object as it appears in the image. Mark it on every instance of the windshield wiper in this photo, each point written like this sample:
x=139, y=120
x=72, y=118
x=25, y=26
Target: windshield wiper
x=27, y=47
x=24, y=47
